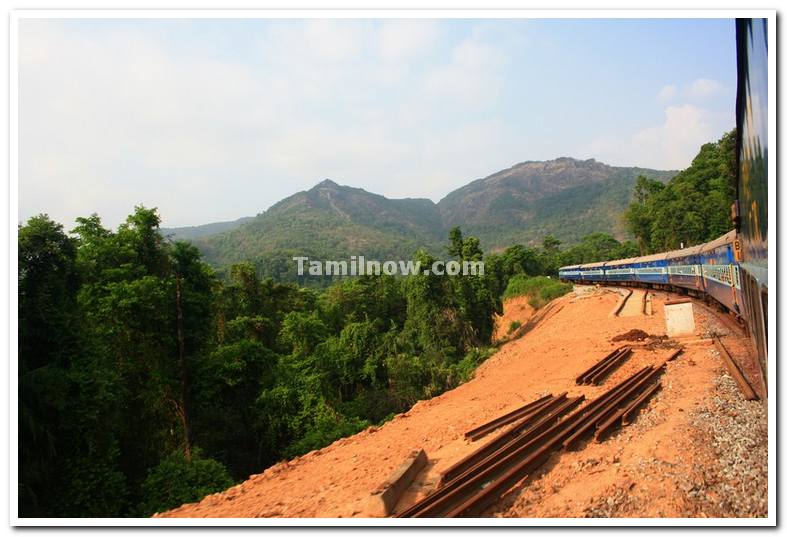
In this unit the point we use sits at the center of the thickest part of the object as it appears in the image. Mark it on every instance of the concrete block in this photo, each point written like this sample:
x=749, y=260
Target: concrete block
x=384, y=499
x=679, y=317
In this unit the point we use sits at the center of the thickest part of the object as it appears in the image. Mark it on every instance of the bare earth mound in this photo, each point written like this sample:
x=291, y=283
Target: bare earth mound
x=516, y=309
x=697, y=449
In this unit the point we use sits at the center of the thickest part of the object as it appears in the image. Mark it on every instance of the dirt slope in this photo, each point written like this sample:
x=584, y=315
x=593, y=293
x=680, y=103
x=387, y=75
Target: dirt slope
x=516, y=309
x=665, y=464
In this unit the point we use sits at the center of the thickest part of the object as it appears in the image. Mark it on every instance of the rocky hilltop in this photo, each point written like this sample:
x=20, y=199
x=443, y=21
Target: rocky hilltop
x=565, y=197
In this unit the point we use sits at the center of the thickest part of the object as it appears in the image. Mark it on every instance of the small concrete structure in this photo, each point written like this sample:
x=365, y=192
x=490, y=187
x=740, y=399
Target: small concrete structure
x=679, y=316
x=383, y=500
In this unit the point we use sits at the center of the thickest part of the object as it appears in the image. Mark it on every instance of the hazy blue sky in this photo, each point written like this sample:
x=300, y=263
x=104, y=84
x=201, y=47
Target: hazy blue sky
x=215, y=119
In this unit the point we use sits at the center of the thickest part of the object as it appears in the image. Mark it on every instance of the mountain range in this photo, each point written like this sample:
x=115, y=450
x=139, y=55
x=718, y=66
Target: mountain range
x=565, y=197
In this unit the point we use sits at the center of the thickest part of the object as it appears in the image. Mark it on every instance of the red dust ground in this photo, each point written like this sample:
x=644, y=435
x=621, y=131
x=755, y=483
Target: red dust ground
x=667, y=463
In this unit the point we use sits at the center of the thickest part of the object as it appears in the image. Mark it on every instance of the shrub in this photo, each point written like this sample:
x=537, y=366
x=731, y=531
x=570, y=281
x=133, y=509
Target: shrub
x=554, y=290
x=327, y=427
x=522, y=285
x=464, y=370
x=513, y=326
x=540, y=289
x=176, y=481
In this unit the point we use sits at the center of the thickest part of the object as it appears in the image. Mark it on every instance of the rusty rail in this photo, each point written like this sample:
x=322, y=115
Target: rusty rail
x=529, y=423
x=598, y=376
x=602, y=428
x=584, y=377
x=550, y=441
x=443, y=501
x=617, y=406
x=638, y=402
x=460, y=473
x=514, y=415
x=621, y=303
x=748, y=392
x=602, y=411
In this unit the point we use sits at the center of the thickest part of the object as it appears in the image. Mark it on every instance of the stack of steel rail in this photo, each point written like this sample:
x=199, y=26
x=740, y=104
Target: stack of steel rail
x=605, y=366
x=480, y=479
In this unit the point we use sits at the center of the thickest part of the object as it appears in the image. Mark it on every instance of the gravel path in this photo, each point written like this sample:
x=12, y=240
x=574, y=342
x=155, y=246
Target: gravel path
x=737, y=432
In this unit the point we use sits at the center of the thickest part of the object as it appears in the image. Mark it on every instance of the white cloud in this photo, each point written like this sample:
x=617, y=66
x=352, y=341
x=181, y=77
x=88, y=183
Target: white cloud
x=702, y=88
x=698, y=90
x=668, y=92
x=472, y=76
x=669, y=146
x=114, y=119
x=332, y=39
x=403, y=39
x=675, y=142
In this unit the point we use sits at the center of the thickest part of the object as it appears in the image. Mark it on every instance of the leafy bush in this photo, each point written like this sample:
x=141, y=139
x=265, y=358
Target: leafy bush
x=554, y=290
x=548, y=293
x=93, y=487
x=540, y=290
x=176, y=481
x=513, y=326
x=464, y=370
x=327, y=427
x=524, y=285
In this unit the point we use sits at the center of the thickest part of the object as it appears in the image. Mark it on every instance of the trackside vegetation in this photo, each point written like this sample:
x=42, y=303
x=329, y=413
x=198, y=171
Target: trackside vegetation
x=539, y=290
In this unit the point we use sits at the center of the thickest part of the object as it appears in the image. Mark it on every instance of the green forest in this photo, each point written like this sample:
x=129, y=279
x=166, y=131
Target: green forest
x=148, y=379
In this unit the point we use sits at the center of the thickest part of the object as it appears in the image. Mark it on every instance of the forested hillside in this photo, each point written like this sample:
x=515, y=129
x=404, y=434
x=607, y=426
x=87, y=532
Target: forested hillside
x=327, y=222
x=565, y=198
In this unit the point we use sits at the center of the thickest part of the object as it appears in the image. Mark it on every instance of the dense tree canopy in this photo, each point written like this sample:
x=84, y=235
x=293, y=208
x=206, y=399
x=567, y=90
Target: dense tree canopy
x=145, y=381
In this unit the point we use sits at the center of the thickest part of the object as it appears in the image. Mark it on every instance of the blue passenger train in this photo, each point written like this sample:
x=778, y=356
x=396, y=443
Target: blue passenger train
x=711, y=268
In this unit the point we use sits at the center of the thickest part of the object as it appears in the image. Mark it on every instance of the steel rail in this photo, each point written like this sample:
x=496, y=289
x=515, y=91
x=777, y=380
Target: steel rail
x=638, y=402
x=489, y=456
x=470, y=487
x=486, y=428
x=748, y=392
x=602, y=428
x=552, y=440
x=603, y=412
x=603, y=372
x=582, y=378
x=502, y=439
x=492, y=491
x=484, y=481
x=448, y=490
x=619, y=307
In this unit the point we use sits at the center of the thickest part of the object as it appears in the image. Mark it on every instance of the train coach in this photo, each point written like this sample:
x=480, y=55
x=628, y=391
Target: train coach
x=711, y=269
x=720, y=271
x=685, y=268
